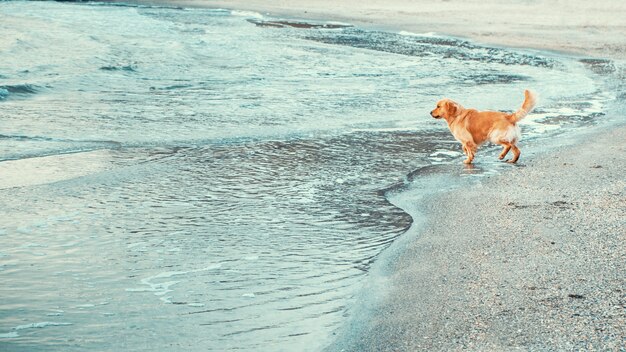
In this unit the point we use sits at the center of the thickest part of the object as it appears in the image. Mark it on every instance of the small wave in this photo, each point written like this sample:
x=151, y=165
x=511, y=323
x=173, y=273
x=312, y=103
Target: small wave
x=492, y=78
x=163, y=288
x=246, y=14
x=599, y=66
x=51, y=139
x=127, y=68
x=18, y=147
x=173, y=87
x=122, y=4
x=411, y=34
x=424, y=46
x=9, y=335
x=40, y=325
x=29, y=138
x=18, y=89
x=14, y=334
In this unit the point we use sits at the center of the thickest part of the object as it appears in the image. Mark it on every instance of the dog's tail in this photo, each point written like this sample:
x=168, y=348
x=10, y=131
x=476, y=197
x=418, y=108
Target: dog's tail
x=529, y=103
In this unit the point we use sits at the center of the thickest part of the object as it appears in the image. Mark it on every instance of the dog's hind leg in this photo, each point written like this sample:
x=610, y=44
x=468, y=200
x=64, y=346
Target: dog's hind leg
x=505, y=151
x=516, y=154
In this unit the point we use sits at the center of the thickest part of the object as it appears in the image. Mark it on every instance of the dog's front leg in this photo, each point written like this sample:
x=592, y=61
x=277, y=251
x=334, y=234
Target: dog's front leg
x=469, y=150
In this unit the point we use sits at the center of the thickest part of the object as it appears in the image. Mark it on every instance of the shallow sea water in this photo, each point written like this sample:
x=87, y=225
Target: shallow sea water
x=195, y=179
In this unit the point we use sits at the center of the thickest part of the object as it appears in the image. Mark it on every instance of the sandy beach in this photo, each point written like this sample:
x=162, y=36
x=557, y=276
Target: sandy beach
x=532, y=258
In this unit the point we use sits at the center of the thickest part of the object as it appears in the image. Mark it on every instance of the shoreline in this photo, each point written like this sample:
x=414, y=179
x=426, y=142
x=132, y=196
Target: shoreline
x=527, y=259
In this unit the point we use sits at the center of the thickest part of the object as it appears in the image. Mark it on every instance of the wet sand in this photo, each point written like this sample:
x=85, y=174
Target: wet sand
x=530, y=259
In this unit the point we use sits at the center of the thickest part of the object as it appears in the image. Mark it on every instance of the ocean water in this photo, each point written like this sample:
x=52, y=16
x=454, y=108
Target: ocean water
x=215, y=180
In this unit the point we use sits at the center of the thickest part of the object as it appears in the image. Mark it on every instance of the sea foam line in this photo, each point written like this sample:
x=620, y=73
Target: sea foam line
x=40, y=325
x=249, y=14
x=162, y=288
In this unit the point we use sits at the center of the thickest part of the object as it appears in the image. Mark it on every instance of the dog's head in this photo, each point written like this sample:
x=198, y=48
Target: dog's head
x=446, y=109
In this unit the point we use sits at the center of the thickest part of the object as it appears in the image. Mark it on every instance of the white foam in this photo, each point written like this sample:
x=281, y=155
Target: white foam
x=568, y=111
x=140, y=289
x=166, y=274
x=411, y=34
x=162, y=288
x=450, y=153
x=249, y=14
x=82, y=306
x=40, y=325
x=9, y=335
x=69, y=244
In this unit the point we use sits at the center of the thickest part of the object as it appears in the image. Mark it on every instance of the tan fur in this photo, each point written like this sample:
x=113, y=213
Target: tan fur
x=473, y=128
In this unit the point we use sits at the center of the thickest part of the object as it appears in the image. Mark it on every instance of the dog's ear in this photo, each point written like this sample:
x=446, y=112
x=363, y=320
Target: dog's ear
x=451, y=108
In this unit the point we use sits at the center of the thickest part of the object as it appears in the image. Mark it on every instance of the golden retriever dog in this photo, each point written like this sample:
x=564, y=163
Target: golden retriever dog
x=473, y=128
